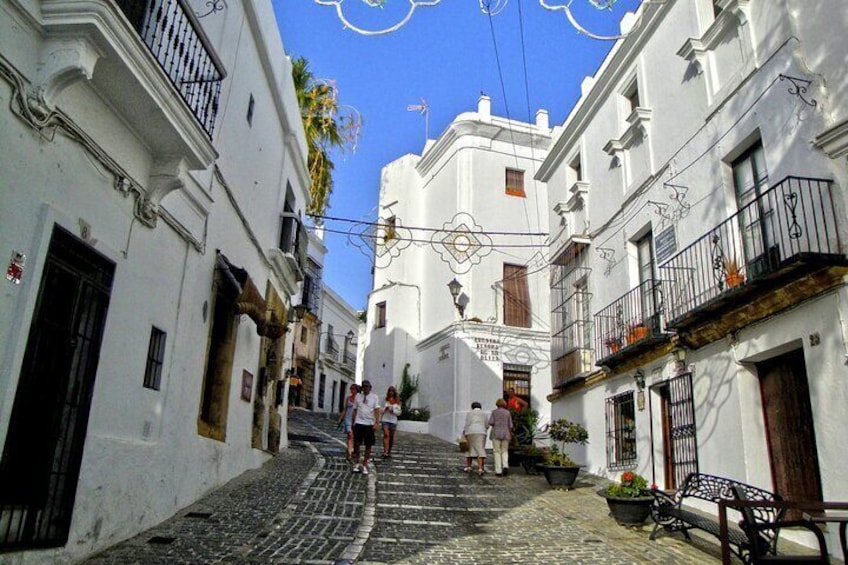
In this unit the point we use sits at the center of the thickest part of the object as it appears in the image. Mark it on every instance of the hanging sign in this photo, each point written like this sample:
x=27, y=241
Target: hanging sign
x=15, y=270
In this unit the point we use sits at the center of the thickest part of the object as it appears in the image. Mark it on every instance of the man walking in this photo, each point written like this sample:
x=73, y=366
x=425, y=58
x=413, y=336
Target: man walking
x=366, y=420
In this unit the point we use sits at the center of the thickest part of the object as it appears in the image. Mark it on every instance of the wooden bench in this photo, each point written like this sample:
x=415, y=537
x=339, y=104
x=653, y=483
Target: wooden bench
x=668, y=512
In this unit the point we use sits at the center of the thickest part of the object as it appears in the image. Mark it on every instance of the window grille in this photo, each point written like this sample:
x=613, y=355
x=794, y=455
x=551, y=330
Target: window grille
x=621, y=431
x=155, y=359
x=514, y=182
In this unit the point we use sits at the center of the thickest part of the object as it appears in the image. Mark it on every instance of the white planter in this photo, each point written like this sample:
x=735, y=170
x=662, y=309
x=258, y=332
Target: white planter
x=413, y=427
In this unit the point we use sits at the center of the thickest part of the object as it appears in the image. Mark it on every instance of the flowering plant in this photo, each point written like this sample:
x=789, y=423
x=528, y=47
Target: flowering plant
x=630, y=485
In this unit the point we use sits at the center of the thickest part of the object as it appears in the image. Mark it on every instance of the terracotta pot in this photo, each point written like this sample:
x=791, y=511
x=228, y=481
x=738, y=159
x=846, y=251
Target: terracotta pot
x=636, y=333
x=734, y=279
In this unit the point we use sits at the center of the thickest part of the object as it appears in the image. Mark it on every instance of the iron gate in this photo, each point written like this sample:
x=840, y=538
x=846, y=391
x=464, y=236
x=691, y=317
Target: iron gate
x=684, y=445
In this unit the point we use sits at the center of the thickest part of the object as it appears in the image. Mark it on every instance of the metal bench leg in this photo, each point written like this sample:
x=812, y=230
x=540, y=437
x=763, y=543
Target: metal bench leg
x=654, y=531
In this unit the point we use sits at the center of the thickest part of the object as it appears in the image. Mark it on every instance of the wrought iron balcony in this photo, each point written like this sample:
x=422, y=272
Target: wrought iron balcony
x=171, y=31
x=776, y=251
x=570, y=349
x=630, y=326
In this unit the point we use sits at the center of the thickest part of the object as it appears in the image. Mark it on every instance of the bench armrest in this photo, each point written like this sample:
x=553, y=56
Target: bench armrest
x=763, y=526
x=662, y=498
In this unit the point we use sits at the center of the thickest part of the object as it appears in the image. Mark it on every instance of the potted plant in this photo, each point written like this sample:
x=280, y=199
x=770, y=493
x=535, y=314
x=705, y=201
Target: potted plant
x=636, y=331
x=613, y=343
x=629, y=500
x=531, y=456
x=559, y=469
x=732, y=271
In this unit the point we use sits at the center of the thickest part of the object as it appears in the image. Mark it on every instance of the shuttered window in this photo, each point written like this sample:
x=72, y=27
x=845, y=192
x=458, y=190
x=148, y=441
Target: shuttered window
x=516, y=296
x=514, y=182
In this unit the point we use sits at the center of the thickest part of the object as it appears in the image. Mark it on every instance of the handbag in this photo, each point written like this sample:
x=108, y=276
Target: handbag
x=463, y=443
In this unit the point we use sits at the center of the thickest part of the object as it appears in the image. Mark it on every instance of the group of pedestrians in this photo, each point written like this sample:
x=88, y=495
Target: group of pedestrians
x=500, y=426
x=362, y=417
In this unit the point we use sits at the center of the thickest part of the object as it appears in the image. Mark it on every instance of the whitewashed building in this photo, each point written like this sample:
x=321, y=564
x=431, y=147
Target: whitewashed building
x=698, y=212
x=152, y=179
x=337, y=352
x=466, y=210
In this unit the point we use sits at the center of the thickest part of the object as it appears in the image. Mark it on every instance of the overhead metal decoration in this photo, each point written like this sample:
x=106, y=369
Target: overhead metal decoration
x=461, y=243
x=383, y=240
x=488, y=7
x=799, y=88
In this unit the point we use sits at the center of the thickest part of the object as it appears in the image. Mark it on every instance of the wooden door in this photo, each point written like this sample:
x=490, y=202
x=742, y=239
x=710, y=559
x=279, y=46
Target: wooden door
x=790, y=434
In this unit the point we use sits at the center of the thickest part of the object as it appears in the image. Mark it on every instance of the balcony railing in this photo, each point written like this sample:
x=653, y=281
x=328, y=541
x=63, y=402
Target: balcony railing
x=792, y=222
x=349, y=359
x=630, y=323
x=171, y=31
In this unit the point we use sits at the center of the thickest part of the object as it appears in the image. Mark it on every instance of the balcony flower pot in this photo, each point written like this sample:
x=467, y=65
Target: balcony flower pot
x=733, y=276
x=629, y=501
x=636, y=332
x=613, y=344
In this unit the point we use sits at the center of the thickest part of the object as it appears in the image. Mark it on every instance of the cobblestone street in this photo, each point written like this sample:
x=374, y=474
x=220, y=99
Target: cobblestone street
x=305, y=506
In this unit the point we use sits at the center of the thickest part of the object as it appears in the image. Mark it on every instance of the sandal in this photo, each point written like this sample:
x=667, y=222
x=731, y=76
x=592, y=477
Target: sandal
x=481, y=472
x=467, y=470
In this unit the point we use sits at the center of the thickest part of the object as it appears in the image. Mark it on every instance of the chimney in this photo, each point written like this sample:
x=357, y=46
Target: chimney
x=542, y=119
x=484, y=106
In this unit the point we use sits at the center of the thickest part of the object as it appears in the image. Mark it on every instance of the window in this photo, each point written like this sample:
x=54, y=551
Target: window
x=632, y=97
x=760, y=252
x=716, y=7
x=649, y=295
x=516, y=296
x=322, y=384
x=380, y=318
x=514, y=182
x=304, y=334
x=250, y=106
x=621, y=431
x=517, y=377
x=155, y=358
x=575, y=169
x=389, y=229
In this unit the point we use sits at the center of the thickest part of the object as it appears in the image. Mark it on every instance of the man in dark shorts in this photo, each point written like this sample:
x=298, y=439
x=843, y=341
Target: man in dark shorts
x=366, y=420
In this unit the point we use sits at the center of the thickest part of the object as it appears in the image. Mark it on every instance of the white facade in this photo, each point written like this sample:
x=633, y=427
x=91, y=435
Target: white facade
x=662, y=148
x=337, y=352
x=171, y=206
x=456, y=192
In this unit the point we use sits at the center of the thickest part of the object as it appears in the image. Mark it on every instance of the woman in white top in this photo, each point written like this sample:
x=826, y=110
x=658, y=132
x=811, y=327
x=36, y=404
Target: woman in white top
x=476, y=423
x=389, y=420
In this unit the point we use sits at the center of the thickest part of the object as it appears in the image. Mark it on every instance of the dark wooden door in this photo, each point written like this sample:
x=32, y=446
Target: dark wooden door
x=789, y=427
x=44, y=445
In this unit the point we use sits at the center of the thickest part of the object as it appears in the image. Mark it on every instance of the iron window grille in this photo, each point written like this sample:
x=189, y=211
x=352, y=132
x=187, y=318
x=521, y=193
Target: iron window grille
x=621, y=431
x=155, y=359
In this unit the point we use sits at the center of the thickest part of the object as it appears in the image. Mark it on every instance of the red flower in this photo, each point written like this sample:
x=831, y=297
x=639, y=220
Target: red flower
x=627, y=477
x=654, y=486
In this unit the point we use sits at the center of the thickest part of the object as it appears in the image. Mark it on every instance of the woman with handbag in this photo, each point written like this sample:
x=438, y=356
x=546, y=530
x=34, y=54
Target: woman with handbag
x=389, y=420
x=476, y=423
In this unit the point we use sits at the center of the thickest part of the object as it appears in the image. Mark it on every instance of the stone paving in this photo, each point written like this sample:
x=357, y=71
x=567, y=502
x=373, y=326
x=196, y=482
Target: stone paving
x=306, y=507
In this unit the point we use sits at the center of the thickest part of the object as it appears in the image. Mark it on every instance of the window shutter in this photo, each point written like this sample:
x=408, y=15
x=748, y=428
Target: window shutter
x=516, y=296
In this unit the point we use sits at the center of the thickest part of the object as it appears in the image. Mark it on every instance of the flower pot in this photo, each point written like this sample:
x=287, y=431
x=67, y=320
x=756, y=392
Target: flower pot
x=631, y=511
x=636, y=333
x=734, y=279
x=562, y=477
x=530, y=464
x=614, y=346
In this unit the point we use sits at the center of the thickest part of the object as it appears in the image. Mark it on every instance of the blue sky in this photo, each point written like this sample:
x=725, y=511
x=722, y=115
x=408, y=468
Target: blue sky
x=446, y=55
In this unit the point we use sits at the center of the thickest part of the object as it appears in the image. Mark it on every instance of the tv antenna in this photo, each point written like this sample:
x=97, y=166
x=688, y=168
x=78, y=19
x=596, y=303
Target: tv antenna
x=424, y=110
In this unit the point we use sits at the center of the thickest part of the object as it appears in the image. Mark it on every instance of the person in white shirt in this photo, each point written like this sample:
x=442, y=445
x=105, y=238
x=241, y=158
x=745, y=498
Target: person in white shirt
x=476, y=424
x=366, y=420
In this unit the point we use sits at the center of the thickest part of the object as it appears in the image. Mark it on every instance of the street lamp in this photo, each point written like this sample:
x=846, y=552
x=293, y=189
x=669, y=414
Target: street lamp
x=455, y=288
x=297, y=313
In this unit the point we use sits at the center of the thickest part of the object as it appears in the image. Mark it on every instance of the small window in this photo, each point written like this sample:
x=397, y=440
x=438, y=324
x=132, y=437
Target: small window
x=389, y=229
x=514, y=182
x=716, y=7
x=380, y=315
x=621, y=431
x=250, y=107
x=304, y=334
x=576, y=169
x=322, y=383
x=155, y=359
x=632, y=96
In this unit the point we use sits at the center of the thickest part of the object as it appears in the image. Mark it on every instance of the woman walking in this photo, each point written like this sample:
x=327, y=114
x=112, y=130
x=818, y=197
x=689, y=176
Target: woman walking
x=501, y=422
x=389, y=420
x=476, y=424
x=347, y=417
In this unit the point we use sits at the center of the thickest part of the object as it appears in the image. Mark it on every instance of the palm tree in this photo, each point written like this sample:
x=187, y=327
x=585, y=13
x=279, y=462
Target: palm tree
x=326, y=129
